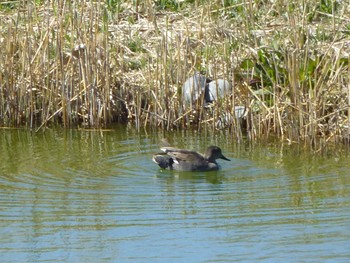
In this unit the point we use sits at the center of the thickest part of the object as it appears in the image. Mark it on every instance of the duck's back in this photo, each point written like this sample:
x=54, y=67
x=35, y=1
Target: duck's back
x=186, y=160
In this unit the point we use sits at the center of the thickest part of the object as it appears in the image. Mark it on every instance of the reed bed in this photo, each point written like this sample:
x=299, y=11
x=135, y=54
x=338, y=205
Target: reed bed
x=95, y=63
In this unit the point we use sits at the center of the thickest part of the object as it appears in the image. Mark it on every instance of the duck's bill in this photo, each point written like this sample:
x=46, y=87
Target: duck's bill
x=223, y=157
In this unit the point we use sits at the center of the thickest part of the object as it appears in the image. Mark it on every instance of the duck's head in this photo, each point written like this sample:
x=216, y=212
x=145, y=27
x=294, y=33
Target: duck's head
x=213, y=152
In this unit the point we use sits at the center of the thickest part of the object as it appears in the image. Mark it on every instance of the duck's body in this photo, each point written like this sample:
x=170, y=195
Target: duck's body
x=186, y=160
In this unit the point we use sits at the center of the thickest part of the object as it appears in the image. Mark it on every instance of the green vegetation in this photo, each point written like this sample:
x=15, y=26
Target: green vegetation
x=93, y=63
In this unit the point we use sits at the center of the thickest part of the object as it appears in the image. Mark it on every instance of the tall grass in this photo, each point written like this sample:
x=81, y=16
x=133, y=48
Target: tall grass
x=93, y=63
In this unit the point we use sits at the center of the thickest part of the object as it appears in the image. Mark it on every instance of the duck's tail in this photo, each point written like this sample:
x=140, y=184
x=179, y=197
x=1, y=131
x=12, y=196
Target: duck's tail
x=164, y=161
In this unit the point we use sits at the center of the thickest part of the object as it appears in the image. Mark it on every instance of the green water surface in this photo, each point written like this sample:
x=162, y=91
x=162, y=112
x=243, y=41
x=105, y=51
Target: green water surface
x=96, y=196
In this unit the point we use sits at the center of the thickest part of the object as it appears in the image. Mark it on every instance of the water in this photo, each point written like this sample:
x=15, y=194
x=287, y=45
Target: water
x=95, y=196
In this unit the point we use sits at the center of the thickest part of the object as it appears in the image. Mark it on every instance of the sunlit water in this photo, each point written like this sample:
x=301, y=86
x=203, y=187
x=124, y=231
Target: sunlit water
x=96, y=196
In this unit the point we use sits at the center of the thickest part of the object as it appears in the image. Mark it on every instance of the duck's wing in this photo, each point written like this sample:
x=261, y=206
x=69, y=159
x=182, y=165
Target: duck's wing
x=173, y=149
x=183, y=155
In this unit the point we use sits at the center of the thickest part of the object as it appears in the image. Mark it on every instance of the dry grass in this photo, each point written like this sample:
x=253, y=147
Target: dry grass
x=93, y=63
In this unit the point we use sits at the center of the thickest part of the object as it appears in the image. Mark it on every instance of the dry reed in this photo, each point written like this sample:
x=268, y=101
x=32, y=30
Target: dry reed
x=93, y=63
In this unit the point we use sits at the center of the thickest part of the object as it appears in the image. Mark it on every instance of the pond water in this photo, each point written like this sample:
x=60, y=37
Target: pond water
x=96, y=196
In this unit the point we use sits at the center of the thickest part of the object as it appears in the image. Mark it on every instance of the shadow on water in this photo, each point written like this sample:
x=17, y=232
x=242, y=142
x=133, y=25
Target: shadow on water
x=82, y=196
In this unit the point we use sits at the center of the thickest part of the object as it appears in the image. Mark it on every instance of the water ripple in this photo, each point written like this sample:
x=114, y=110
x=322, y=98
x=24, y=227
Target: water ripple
x=86, y=197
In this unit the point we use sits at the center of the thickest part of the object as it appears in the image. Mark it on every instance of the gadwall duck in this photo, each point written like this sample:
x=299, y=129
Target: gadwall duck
x=186, y=160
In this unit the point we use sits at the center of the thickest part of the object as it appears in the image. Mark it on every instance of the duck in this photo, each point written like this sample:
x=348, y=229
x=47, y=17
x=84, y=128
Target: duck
x=187, y=160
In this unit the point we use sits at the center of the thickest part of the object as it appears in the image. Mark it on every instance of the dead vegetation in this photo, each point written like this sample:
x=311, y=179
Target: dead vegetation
x=93, y=63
